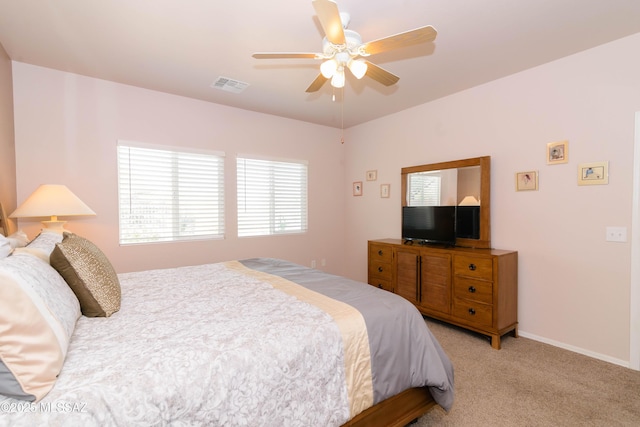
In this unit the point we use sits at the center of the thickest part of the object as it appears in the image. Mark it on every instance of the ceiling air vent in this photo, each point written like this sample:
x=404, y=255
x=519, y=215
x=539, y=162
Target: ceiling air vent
x=230, y=85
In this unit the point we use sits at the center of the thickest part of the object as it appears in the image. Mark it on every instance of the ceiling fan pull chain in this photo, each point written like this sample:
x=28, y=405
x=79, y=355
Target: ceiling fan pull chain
x=342, y=118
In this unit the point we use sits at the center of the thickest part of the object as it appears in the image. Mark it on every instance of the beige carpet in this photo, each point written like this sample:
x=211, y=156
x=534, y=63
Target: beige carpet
x=528, y=383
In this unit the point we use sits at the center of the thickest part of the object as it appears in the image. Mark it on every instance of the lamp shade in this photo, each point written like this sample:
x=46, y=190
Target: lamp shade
x=328, y=68
x=52, y=201
x=358, y=68
x=469, y=201
x=337, y=80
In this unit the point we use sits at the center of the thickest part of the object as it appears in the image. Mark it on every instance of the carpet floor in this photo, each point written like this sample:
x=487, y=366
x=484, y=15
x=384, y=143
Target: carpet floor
x=529, y=383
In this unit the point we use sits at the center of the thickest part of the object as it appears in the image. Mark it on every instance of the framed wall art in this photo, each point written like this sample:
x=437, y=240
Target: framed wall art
x=593, y=173
x=385, y=190
x=557, y=152
x=372, y=175
x=357, y=188
x=527, y=181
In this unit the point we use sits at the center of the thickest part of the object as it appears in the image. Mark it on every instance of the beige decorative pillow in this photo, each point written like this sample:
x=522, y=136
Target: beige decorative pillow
x=89, y=274
x=38, y=314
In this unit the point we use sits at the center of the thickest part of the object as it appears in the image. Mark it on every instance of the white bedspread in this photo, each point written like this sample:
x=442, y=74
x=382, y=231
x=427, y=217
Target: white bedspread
x=214, y=346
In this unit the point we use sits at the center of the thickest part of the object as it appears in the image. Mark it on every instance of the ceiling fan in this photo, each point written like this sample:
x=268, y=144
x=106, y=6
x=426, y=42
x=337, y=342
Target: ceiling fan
x=342, y=48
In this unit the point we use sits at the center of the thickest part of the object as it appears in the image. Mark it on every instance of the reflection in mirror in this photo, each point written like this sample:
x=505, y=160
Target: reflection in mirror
x=445, y=187
x=462, y=183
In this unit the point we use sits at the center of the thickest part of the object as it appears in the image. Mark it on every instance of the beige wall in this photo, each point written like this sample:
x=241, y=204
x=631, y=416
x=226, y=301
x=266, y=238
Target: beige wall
x=573, y=285
x=67, y=127
x=7, y=150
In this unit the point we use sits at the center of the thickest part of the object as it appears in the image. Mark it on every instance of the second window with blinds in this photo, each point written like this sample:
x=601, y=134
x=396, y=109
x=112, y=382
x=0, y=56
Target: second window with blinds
x=272, y=196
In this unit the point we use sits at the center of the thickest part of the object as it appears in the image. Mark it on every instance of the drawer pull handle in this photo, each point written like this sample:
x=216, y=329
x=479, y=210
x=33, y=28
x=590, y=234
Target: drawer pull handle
x=380, y=269
x=472, y=289
x=380, y=252
x=472, y=267
x=472, y=312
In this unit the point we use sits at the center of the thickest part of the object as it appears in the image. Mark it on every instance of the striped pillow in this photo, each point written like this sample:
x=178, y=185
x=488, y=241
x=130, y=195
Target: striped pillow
x=38, y=314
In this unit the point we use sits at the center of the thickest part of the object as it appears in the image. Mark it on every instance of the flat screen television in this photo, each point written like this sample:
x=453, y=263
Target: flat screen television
x=468, y=222
x=429, y=224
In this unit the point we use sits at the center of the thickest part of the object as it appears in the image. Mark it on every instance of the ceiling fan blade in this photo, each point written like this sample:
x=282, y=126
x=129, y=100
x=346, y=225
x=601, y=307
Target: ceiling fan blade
x=329, y=16
x=285, y=55
x=408, y=38
x=317, y=83
x=381, y=75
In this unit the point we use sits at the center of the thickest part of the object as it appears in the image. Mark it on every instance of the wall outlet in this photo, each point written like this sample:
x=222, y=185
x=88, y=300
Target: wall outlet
x=616, y=234
x=313, y=263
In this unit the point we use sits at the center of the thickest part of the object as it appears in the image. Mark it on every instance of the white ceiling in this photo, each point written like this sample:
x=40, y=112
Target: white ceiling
x=183, y=46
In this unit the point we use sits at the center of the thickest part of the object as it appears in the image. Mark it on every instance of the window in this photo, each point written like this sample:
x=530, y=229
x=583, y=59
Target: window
x=272, y=197
x=168, y=195
x=424, y=189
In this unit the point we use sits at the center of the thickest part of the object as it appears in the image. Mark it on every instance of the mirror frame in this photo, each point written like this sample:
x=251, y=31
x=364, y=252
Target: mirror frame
x=485, y=194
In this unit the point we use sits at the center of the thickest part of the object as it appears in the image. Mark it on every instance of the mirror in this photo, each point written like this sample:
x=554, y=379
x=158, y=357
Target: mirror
x=463, y=183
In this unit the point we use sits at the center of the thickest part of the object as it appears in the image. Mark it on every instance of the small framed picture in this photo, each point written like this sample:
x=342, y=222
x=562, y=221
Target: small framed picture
x=593, y=173
x=557, y=152
x=372, y=175
x=527, y=181
x=385, y=190
x=357, y=188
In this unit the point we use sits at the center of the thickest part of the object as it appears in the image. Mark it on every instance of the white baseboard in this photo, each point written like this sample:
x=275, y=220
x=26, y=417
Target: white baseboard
x=578, y=350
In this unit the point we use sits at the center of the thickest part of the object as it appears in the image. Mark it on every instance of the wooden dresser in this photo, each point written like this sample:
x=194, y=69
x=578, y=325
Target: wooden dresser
x=476, y=289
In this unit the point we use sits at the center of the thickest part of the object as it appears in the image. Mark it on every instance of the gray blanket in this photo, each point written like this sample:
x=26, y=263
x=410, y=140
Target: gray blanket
x=404, y=352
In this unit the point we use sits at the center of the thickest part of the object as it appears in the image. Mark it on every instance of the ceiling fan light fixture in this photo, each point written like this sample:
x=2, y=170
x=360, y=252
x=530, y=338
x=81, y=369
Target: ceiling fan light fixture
x=343, y=48
x=328, y=68
x=358, y=68
x=337, y=80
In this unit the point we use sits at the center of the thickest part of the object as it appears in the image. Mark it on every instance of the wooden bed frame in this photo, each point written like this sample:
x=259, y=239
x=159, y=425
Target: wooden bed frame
x=4, y=223
x=396, y=411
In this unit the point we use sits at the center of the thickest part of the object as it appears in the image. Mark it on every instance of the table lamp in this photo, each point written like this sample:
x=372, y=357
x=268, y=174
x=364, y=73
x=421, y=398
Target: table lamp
x=51, y=200
x=469, y=201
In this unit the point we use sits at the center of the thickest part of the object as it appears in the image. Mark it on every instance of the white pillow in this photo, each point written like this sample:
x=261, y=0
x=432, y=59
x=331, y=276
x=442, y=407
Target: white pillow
x=42, y=245
x=18, y=239
x=5, y=247
x=46, y=241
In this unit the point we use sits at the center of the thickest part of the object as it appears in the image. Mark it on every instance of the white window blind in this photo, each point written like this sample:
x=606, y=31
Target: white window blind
x=272, y=197
x=424, y=189
x=169, y=195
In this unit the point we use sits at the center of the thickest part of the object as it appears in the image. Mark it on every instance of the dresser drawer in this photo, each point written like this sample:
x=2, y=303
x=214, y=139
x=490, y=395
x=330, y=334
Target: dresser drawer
x=473, y=312
x=387, y=285
x=473, y=267
x=475, y=290
x=380, y=270
x=379, y=253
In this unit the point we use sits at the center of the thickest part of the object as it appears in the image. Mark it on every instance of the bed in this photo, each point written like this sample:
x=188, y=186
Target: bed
x=246, y=342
